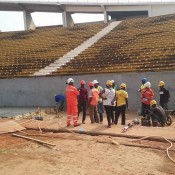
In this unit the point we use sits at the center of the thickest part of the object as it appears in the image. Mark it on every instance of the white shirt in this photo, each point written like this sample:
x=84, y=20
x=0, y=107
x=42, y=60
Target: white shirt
x=109, y=94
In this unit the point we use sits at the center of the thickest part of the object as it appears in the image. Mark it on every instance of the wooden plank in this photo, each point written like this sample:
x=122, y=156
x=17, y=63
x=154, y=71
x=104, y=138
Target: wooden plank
x=36, y=140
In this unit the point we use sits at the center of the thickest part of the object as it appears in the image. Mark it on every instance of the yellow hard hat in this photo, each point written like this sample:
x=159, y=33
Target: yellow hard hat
x=123, y=85
x=161, y=83
x=153, y=102
x=109, y=82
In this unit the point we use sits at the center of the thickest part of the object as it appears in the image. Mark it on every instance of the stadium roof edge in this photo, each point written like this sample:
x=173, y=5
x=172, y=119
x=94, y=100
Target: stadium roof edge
x=68, y=8
x=86, y=3
x=54, y=6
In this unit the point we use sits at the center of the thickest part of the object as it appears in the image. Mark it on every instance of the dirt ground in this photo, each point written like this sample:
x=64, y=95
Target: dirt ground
x=79, y=154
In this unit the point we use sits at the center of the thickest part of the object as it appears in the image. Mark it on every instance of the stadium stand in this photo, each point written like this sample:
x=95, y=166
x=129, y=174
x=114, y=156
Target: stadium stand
x=140, y=44
x=76, y=51
x=135, y=45
x=25, y=52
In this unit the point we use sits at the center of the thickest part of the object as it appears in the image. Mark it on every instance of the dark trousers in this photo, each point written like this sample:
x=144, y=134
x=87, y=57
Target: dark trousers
x=109, y=113
x=101, y=117
x=120, y=110
x=82, y=107
x=112, y=115
x=100, y=110
x=145, y=107
x=96, y=118
x=60, y=105
x=93, y=114
x=164, y=105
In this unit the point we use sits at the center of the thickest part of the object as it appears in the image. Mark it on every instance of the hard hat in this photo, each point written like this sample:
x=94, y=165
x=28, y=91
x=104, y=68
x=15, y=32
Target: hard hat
x=95, y=81
x=147, y=84
x=91, y=84
x=153, y=102
x=70, y=80
x=82, y=82
x=123, y=85
x=161, y=83
x=112, y=81
x=109, y=82
x=144, y=80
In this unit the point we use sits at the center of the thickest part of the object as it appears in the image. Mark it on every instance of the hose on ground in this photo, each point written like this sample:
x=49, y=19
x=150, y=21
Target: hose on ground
x=167, y=149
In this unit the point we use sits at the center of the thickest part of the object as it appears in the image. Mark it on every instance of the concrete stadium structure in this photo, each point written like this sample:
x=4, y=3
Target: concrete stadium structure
x=116, y=9
x=40, y=91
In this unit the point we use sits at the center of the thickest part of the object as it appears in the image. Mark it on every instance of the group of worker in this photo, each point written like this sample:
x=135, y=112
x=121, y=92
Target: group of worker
x=149, y=105
x=112, y=99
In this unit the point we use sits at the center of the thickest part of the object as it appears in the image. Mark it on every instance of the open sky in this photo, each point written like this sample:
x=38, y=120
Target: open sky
x=13, y=21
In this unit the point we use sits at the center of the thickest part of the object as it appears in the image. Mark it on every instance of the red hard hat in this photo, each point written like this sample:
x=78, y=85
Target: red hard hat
x=91, y=84
x=82, y=82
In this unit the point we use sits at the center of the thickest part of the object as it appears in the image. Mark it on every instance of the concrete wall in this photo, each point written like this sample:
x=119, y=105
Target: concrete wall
x=157, y=10
x=40, y=91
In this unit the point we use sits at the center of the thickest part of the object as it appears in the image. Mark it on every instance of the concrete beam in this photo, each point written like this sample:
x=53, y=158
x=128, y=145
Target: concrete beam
x=28, y=21
x=103, y=7
x=21, y=6
x=61, y=8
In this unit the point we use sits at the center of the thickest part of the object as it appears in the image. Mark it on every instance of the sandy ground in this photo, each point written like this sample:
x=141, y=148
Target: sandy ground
x=82, y=154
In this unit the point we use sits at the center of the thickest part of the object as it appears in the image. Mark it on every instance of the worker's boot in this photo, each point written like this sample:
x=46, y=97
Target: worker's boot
x=68, y=124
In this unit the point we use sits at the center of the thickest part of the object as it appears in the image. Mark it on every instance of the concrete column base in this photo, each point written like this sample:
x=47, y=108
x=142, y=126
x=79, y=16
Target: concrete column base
x=67, y=19
x=28, y=21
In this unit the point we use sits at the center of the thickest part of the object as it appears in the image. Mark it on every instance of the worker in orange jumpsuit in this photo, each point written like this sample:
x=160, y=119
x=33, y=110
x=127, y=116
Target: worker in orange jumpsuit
x=72, y=103
x=147, y=95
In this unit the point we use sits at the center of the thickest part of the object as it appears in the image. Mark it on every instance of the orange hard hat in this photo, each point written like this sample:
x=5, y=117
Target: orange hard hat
x=82, y=82
x=91, y=84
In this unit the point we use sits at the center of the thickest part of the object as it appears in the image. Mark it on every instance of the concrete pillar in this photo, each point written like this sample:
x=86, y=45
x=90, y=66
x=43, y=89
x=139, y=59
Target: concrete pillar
x=28, y=21
x=105, y=17
x=67, y=19
x=150, y=11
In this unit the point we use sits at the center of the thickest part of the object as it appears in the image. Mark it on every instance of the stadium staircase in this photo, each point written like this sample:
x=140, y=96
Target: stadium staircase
x=75, y=52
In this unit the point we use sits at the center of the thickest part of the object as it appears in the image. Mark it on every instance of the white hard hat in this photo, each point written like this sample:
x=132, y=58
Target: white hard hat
x=95, y=81
x=69, y=80
x=112, y=81
x=147, y=84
